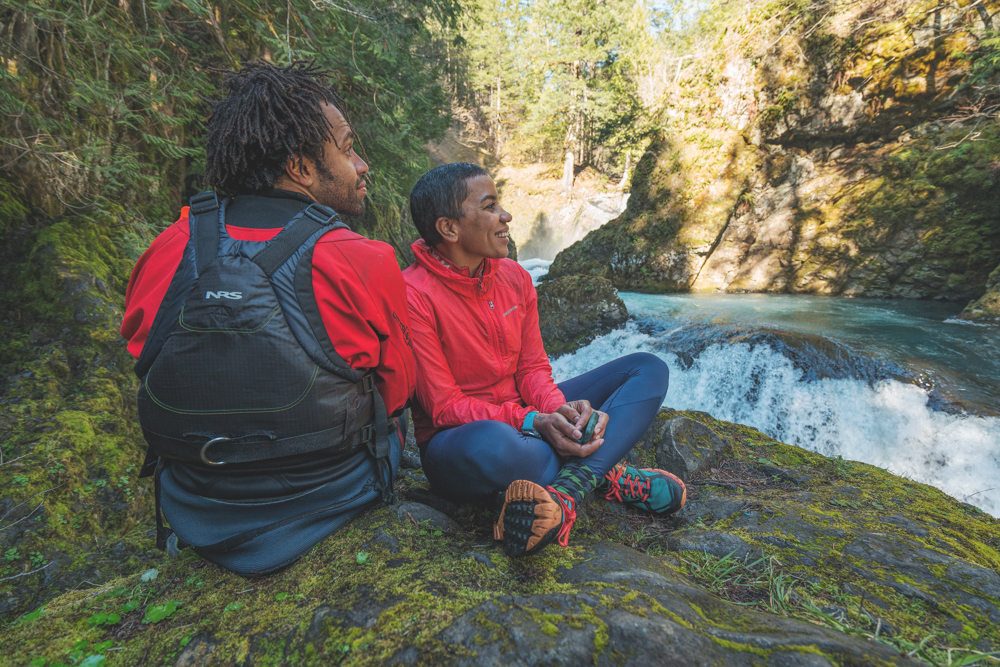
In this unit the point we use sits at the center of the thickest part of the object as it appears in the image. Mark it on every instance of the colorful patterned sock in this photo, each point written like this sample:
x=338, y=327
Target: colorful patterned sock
x=603, y=484
x=575, y=479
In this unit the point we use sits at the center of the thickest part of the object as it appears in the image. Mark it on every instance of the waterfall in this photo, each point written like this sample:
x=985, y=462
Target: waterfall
x=888, y=423
x=578, y=217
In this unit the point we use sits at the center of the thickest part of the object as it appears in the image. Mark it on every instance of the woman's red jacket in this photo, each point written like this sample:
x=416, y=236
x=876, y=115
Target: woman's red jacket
x=477, y=344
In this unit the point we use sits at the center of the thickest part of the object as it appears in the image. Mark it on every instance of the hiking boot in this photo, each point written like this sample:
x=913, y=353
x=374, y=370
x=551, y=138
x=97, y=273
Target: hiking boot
x=653, y=490
x=532, y=517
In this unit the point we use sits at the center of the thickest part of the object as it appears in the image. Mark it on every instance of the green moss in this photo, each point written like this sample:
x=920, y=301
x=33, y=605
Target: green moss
x=67, y=414
x=740, y=648
x=416, y=593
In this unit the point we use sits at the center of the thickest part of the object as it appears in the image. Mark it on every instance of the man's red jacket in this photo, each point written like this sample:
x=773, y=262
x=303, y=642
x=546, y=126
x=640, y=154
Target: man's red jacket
x=478, y=347
x=358, y=286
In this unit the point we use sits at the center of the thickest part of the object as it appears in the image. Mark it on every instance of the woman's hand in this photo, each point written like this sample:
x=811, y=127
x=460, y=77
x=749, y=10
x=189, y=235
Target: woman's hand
x=579, y=413
x=560, y=427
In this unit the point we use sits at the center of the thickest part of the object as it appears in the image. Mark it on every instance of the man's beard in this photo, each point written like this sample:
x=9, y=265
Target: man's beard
x=341, y=197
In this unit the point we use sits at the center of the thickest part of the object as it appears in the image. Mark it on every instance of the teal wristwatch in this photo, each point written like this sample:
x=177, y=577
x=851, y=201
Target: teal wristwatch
x=528, y=427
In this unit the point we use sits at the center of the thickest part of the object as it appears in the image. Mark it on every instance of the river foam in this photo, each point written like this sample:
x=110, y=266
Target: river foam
x=536, y=268
x=887, y=423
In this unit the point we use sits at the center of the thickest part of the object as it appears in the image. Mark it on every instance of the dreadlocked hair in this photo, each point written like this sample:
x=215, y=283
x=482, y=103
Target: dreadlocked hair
x=269, y=114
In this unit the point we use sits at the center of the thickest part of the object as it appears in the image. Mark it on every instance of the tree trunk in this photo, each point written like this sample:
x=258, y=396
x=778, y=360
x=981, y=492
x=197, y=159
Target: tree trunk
x=985, y=16
x=215, y=21
x=499, y=140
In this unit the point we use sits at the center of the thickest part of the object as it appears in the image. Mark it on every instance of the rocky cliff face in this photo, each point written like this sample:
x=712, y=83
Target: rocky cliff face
x=826, y=150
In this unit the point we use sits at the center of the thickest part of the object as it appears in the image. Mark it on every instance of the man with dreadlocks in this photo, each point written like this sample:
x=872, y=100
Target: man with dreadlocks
x=272, y=341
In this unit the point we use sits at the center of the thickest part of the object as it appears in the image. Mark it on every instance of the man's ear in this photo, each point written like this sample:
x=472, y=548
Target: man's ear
x=300, y=170
x=447, y=228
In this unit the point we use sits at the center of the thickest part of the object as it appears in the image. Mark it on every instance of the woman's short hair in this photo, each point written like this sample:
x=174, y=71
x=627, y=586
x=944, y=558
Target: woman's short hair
x=439, y=194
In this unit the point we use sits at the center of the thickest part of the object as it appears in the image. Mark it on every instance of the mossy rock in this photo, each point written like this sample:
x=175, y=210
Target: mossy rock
x=853, y=566
x=686, y=447
x=511, y=249
x=987, y=307
x=72, y=509
x=429, y=603
x=574, y=310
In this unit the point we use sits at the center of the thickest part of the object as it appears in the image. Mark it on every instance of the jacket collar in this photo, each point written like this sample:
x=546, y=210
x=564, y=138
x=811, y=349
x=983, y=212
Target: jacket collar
x=457, y=278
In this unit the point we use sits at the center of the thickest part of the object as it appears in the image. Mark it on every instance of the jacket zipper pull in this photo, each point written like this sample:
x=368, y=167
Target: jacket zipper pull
x=491, y=304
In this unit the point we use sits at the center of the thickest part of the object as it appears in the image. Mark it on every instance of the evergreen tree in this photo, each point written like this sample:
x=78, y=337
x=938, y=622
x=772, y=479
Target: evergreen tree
x=559, y=75
x=103, y=102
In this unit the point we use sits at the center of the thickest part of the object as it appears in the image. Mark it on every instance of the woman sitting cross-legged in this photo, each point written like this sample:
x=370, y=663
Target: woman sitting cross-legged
x=489, y=415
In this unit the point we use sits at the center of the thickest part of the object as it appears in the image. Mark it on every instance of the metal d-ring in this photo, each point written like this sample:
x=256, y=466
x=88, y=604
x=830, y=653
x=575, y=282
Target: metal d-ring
x=204, y=448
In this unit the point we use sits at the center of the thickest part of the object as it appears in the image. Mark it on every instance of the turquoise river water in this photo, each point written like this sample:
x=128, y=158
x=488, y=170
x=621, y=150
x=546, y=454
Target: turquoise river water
x=898, y=384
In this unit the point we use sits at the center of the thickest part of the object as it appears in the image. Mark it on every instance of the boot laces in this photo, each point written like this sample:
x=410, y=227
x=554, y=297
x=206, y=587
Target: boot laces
x=632, y=486
x=569, y=515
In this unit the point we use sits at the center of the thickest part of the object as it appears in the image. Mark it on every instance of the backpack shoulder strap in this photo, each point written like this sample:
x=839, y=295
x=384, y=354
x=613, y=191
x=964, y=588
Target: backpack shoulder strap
x=204, y=225
x=290, y=239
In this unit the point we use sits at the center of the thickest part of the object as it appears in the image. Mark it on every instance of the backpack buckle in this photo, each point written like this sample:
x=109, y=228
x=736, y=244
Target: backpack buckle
x=321, y=214
x=367, y=434
x=204, y=450
x=203, y=202
x=368, y=384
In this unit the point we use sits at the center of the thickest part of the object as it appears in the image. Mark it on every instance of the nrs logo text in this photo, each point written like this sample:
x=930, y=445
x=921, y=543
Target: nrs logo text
x=223, y=295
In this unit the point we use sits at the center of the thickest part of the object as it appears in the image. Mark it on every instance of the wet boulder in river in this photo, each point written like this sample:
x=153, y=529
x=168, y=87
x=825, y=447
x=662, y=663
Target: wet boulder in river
x=574, y=310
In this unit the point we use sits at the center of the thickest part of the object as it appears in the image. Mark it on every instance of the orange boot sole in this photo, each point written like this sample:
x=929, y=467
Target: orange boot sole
x=530, y=519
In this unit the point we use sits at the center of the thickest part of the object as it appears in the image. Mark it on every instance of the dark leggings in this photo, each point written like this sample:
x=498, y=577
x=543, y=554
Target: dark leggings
x=483, y=457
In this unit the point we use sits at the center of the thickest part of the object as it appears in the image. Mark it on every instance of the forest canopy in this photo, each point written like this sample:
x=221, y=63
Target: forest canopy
x=103, y=103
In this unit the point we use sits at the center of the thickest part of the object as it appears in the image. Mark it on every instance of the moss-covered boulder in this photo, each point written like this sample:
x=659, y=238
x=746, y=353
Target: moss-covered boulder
x=71, y=508
x=987, y=307
x=512, y=250
x=686, y=447
x=843, y=564
x=573, y=310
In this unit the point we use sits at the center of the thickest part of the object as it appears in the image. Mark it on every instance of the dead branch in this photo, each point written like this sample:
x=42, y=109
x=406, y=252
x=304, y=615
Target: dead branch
x=25, y=574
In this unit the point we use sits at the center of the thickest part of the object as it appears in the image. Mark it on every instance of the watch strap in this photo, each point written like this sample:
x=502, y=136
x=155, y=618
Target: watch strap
x=529, y=421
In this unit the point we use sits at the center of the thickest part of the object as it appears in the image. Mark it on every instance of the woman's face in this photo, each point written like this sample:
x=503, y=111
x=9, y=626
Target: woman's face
x=482, y=229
